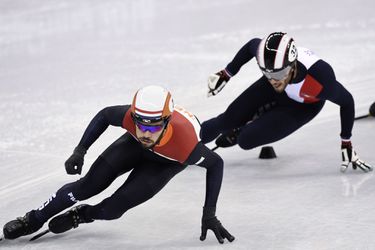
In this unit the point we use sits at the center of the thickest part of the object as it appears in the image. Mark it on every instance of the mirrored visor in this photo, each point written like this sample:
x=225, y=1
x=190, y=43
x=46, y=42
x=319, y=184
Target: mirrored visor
x=277, y=75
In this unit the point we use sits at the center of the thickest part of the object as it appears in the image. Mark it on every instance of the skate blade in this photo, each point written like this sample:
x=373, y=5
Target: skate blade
x=40, y=235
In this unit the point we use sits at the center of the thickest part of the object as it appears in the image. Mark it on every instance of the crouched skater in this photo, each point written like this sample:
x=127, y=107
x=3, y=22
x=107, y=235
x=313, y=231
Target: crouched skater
x=161, y=141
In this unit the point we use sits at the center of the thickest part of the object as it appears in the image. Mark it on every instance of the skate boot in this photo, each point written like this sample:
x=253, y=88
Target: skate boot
x=21, y=226
x=68, y=220
x=228, y=139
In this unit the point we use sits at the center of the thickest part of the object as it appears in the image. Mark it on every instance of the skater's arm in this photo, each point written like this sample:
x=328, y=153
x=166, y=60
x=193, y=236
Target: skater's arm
x=108, y=116
x=243, y=56
x=204, y=157
x=334, y=91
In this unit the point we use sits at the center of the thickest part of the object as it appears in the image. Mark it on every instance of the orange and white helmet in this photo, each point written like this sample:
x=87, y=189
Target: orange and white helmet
x=152, y=104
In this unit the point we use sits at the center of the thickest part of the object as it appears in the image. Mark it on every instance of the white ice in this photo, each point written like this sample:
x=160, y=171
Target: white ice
x=62, y=61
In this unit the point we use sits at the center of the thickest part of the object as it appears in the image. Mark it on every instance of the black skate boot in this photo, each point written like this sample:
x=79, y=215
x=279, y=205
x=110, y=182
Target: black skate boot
x=21, y=226
x=68, y=220
x=228, y=139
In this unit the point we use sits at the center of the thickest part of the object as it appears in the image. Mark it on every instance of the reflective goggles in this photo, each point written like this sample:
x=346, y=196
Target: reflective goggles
x=277, y=75
x=152, y=128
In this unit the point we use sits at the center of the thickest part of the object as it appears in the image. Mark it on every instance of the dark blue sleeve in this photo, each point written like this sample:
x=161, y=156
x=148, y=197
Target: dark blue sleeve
x=107, y=116
x=244, y=55
x=214, y=176
x=335, y=92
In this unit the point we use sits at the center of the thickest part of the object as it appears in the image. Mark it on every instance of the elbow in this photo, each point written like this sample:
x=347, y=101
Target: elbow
x=345, y=100
x=104, y=112
x=351, y=99
x=218, y=162
x=213, y=163
x=104, y=115
x=348, y=99
x=349, y=102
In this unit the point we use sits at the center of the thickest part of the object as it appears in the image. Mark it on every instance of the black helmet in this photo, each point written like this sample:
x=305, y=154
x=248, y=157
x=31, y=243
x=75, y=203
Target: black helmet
x=275, y=53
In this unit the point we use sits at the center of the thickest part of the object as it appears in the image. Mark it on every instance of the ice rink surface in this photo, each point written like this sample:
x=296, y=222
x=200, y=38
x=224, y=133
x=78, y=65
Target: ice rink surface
x=63, y=61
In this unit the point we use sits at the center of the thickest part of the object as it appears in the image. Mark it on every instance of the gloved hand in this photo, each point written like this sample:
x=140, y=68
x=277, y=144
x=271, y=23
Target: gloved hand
x=350, y=156
x=75, y=162
x=209, y=221
x=216, y=82
x=228, y=139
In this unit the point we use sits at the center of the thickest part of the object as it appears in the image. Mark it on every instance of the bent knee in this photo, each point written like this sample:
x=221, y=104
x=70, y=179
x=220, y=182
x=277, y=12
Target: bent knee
x=245, y=142
x=114, y=215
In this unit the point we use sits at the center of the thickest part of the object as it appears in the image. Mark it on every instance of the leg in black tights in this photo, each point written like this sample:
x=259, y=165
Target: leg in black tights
x=276, y=124
x=240, y=111
x=142, y=184
x=120, y=157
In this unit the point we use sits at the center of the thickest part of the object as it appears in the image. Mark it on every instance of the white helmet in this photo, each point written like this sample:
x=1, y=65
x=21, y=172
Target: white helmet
x=152, y=104
x=276, y=53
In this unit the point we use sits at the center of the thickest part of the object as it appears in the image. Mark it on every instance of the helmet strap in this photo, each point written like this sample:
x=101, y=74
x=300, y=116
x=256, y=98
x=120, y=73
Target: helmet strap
x=294, y=72
x=160, y=136
x=162, y=133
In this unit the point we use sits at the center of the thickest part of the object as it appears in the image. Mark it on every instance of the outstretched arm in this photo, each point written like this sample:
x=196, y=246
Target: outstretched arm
x=204, y=157
x=217, y=81
x=243, y=56
x=335, y=92
x=107, y=116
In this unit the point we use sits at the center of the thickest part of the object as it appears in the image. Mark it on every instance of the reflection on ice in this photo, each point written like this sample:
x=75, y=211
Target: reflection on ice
x=351, y=185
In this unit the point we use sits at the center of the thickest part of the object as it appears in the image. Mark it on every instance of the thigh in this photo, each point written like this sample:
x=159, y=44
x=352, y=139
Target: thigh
x=120, y=157
x=123, y=154
x=143, y=183
x=98, y=178
x=244, y=107
x=240, y=111
x=277, y=123
x=153, y=175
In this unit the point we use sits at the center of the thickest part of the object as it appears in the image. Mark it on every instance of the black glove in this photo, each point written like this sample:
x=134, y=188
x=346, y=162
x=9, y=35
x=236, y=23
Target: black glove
x=350, y=156
x=216, y=82
x=75, y=162
x=209, y=221
x=228, y=139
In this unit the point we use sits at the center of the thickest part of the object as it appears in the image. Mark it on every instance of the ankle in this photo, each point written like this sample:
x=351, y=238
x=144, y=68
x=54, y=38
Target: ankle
x=34, y=221
x=84, y=214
